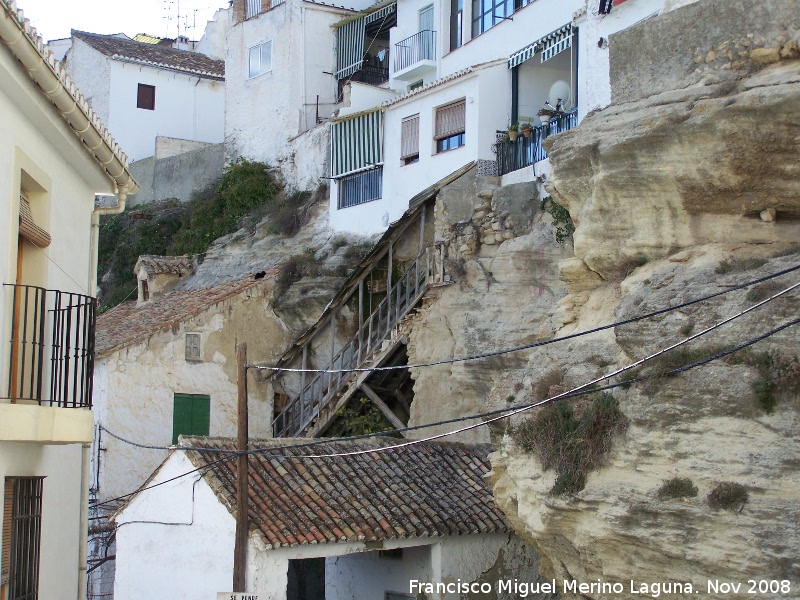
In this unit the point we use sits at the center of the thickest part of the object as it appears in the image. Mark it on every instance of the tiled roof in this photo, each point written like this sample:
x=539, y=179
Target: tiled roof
x=154, y=55
x=156, y=265
x=125, y=324
x=425, y=490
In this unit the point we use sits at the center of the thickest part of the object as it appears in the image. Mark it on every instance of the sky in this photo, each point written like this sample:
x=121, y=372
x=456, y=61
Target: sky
x=54, y=18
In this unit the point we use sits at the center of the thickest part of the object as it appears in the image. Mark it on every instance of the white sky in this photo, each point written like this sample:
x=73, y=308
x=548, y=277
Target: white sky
x=54, y=18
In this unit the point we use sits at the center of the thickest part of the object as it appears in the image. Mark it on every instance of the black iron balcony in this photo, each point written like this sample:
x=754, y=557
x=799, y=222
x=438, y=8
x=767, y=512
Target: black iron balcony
x=415, y=49
x=527, y=150
x=51, y=360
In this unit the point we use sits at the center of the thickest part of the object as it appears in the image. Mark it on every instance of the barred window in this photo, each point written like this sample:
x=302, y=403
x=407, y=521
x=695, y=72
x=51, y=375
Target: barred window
x=22, y=519
x=360, y=187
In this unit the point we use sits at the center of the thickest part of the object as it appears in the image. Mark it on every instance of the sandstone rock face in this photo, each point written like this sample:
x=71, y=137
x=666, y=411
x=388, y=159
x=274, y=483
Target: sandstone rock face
x=683, y=168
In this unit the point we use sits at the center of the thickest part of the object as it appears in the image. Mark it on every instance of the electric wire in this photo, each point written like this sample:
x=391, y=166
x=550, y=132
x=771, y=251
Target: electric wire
x=511, y=411
x=533, y=344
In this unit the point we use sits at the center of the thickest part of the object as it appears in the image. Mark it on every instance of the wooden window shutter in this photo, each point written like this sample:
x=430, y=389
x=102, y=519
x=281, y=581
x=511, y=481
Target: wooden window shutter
x=191, y=415
x=28, y=227
x=409, y=137
x=146, y=97
x=5, y=555
x=450, y=120
x=193, y=347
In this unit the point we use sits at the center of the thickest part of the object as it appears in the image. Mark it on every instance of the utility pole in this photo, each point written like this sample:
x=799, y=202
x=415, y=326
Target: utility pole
x=240, y=545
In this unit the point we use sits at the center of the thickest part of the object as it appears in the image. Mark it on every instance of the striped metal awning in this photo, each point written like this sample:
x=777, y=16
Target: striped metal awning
x=357, y=143
x=550, y=45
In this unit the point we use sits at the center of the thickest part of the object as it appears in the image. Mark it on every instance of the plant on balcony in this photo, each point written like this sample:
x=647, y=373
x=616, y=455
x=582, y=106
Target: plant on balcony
x=513, y=132
x=526, y=128
x=545, y=114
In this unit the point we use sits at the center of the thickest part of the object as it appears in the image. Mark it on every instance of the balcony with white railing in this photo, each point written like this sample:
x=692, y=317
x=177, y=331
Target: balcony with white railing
x=415, y=56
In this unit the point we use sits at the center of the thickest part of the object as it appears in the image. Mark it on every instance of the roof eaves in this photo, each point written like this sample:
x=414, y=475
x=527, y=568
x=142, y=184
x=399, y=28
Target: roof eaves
x=45, y=70
x=166, y=67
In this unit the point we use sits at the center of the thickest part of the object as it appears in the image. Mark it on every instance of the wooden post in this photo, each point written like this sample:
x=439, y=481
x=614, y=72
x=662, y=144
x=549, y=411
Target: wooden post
x=240, y=544
x=360, y=319
x=389, y=292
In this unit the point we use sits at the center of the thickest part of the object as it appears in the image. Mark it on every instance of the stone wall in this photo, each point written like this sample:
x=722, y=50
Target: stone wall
x=705, y=42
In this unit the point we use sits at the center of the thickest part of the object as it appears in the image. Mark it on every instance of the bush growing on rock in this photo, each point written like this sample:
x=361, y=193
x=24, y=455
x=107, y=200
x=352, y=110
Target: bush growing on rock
x=728, y=495
x=677, y=487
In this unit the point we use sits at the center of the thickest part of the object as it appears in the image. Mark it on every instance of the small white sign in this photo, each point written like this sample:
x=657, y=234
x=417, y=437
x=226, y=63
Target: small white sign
x=236, y=596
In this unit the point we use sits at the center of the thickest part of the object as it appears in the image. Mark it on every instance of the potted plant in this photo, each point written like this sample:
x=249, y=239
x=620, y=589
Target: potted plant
x=513, y=132
x=526, y=128
x=545, y=114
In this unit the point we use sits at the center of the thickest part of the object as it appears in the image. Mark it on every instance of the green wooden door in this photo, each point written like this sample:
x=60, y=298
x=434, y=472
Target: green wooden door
x=191, y=415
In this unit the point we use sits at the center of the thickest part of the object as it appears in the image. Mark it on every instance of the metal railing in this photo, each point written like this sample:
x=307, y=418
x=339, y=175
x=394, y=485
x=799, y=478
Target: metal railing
x=525, y=151
x=359, y=350
x=52, y=346
x=410, y=51
x=360, y=188
x=251, y=8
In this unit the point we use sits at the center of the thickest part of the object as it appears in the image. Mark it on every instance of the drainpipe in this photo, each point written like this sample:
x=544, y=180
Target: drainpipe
x=96, y=214
x=83, y=524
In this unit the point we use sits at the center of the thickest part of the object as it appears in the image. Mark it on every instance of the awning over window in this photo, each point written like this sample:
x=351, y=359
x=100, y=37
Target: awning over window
x=357, y=143
x=450, y=120
x=550, y=45
x=28, y=227
x=409, y=137
x=350, y=41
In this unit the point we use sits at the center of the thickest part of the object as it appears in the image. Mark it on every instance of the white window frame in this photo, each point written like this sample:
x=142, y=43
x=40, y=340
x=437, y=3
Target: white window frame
x=253, y=73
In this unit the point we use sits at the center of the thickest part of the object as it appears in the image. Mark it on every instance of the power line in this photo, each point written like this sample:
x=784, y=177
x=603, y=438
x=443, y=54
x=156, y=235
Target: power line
x=570, y=393
x=534, y=344
x=514, y=410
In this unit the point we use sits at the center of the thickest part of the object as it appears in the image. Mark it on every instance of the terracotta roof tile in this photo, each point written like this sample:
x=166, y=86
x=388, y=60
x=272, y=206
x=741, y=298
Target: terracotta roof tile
x=155, y=265
x=426, y=490
x=125, y=324
x=154, y=55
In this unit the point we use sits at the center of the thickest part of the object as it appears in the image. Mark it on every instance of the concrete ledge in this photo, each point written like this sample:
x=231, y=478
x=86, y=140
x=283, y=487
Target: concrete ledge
x=45, y=424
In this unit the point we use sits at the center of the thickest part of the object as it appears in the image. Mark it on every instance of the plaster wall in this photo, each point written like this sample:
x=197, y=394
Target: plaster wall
x=187, y=107
x=61, y=505
x=213, y=41
x=91, y=72
x=264, y=112
x=174, y=541
x=487, y=94
x=135, y=387
x=594, y=80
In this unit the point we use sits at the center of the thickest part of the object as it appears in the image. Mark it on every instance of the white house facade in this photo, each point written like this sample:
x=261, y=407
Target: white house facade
x=463, y=74
x=48, y=257
x=146, y=90
x=347, y=528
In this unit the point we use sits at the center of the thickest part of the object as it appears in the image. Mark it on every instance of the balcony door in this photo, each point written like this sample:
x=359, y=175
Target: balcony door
x=426, y=41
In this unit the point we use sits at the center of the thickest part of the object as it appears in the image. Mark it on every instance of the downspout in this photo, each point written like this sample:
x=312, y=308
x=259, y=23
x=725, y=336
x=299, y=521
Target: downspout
x=96, y=214
x=83, y=524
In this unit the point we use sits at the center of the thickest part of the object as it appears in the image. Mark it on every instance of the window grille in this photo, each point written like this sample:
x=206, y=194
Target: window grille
x=193, y=347
x=22, y=519
x=360, y=187
x=450, y=120
x=409, y=137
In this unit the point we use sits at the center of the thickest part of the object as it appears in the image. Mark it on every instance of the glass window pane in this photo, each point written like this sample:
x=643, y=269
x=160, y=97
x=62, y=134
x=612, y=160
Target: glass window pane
x=255, y=60
x=266, y=57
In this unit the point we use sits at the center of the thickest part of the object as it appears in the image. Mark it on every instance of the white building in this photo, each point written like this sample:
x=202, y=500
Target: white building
x=460, y=74
x=146, y=90
x=346, y=528
x=55, y=155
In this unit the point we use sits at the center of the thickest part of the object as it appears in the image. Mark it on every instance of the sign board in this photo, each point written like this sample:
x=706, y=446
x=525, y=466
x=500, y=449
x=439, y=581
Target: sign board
x=236, y=596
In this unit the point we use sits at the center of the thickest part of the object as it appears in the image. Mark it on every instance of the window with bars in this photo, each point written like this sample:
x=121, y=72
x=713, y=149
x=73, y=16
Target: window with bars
x=146, y=97
x=359, y=188
x=191, y=415
x=450, y=127
x=251, y=8
x=409, y=140
x=259, y=60
x=22, y=520
x=193, y=347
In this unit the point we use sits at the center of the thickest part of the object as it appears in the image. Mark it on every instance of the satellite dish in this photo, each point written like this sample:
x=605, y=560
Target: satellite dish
x=560, y=89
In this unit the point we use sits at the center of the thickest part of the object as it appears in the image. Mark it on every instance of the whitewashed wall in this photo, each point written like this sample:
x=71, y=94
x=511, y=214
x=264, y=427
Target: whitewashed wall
x=594, y=81
x=135, y=387
x=213, y=41
x=186, y=107
x=175, y=541
x=488, y=105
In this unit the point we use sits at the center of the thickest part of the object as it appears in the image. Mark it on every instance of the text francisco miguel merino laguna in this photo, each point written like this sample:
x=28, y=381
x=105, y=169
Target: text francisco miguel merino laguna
x=522, y=589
